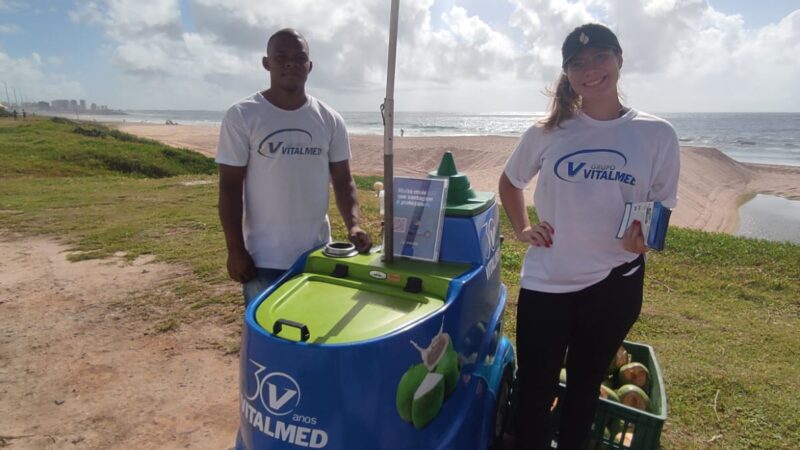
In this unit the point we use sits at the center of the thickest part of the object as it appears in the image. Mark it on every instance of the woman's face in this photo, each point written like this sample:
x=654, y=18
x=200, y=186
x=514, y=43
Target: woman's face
x=593, y=73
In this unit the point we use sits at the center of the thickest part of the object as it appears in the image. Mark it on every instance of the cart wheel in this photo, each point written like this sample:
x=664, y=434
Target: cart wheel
x=501, y=410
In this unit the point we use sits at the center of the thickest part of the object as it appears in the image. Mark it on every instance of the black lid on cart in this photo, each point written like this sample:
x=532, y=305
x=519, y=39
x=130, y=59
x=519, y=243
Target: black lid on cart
x=461, y=199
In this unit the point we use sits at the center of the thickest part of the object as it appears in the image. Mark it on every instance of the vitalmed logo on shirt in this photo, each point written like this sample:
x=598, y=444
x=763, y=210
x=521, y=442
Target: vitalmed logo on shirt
x=288, y=142
x=594, y=165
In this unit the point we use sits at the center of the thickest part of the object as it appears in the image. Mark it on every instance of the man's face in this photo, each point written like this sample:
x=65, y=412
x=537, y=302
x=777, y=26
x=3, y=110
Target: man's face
x=287, y=62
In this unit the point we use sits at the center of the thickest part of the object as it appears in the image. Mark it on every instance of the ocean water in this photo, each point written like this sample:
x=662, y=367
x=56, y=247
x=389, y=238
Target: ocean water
x=766, y=138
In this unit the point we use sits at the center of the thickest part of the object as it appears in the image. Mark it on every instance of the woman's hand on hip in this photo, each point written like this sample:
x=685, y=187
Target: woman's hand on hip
x=539, y=235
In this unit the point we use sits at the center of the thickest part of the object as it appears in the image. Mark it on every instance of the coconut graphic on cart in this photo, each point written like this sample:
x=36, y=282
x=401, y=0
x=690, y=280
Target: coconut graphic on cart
x=425, y=386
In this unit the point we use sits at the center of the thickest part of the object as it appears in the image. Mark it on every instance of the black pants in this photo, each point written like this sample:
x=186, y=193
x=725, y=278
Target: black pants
x=592, y=323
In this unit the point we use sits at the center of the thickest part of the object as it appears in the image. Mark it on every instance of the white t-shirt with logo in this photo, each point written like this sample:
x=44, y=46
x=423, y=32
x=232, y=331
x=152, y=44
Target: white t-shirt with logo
x=588, y=169
x=286, y=187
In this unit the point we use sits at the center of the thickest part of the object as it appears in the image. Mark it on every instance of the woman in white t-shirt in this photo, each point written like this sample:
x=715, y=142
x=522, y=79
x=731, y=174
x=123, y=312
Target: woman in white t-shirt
x=581, y=287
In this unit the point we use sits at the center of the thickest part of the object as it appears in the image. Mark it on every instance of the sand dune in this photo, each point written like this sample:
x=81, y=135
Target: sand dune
x=712, y=185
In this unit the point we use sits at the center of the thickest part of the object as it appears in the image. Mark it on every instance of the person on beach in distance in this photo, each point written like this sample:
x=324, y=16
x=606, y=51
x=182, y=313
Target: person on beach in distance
x=581, y=288
x=278, y=149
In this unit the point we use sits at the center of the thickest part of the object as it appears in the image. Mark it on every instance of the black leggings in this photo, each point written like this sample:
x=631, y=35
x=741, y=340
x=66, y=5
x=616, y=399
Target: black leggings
x=592, y=323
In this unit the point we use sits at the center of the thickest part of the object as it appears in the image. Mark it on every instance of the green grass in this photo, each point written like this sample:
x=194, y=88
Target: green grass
x=722, y=312
x=62, y=148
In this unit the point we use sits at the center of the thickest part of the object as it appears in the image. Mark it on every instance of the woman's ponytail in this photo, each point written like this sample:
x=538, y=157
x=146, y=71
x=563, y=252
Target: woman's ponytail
x=565, y=104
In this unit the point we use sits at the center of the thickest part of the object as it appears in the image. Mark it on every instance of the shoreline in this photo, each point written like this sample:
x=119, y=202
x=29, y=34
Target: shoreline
x=711, y=189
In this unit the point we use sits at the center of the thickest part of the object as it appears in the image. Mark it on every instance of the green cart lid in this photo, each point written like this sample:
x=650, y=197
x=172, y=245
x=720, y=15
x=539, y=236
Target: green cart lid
x=461, y=199
x=345, y=300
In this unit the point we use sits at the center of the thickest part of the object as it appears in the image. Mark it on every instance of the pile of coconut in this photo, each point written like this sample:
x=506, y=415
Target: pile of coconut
x=627, y=382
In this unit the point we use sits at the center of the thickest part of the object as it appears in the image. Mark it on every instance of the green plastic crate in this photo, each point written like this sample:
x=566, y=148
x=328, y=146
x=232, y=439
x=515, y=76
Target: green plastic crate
x=646, y=425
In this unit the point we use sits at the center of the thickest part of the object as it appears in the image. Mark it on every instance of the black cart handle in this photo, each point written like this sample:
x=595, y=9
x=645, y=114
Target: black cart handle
x=304, y=334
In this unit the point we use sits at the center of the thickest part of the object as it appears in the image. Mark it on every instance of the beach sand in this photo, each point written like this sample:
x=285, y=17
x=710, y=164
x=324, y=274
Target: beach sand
x=81, y=369
x=711, y=189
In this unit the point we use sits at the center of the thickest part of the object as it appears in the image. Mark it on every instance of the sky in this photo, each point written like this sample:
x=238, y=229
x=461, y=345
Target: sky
x=474, y=56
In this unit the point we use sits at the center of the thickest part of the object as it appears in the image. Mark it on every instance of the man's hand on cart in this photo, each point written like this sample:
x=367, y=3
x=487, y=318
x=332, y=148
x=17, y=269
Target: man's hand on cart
x=360, y=239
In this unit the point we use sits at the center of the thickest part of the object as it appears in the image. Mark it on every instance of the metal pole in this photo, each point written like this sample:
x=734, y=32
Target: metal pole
x=388, y=140
x=8, y=99
x=16, y=102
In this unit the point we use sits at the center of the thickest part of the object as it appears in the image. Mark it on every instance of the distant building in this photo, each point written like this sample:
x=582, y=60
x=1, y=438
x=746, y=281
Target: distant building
x=60, y=104
x=73, y=106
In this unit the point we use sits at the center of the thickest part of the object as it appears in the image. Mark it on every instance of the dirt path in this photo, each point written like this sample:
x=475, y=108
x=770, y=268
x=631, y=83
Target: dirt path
x=76, y=372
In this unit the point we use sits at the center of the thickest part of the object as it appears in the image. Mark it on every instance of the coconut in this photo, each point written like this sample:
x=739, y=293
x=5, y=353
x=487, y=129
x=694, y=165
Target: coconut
x=449, y=368
x=633, y=396
x=436, y=350
x=427, y=400
x=608, y=393
x=634, y=373
x=409, y=383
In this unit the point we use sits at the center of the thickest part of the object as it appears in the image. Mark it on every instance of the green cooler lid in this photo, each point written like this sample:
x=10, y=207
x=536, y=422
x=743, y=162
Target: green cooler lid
x=365, y=300
x=461, y=199
x=337, y=311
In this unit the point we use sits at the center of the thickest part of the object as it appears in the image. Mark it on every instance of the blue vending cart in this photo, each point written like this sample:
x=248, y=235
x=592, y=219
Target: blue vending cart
x=348, y=352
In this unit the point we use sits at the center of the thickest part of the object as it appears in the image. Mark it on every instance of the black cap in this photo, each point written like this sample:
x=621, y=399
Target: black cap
x=590, y=35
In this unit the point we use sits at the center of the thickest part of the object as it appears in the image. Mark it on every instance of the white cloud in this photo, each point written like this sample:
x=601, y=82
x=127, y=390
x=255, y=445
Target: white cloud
x=348, y=42
x=679, y=54
x=10, y=5
x=27, y=76
x=8, y=29
x=129, y=18
x=691, y=57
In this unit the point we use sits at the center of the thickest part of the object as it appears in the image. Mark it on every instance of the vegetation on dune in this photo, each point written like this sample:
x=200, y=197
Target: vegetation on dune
x=59, y=147
x=722, y=312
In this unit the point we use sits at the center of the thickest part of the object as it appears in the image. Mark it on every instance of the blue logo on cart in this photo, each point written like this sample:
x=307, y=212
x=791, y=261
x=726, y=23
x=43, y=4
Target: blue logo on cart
x=279, y=394
x=281, y=390
x=490, y=238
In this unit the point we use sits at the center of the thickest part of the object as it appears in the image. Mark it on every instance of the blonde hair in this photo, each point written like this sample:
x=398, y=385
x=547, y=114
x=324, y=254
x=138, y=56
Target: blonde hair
x=565, y=104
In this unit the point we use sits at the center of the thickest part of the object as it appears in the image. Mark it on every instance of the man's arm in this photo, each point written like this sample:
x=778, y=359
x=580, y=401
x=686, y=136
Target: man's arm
x=231, y=184
x=344, y=189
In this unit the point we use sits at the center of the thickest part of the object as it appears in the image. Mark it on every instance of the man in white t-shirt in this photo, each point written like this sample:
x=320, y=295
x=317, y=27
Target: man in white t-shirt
x=278, y=149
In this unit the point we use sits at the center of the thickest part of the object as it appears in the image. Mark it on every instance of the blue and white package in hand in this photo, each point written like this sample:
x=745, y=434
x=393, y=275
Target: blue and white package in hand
x=654, y=218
